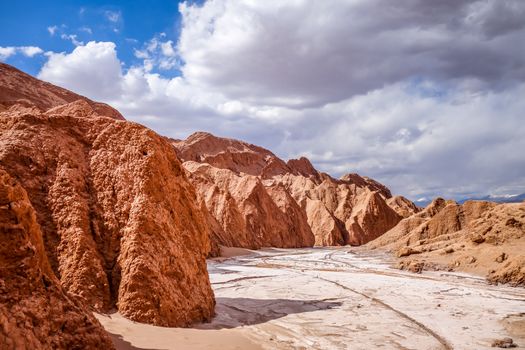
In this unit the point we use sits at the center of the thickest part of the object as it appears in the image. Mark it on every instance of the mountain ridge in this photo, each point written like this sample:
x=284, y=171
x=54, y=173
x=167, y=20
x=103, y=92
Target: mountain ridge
x=348, y=210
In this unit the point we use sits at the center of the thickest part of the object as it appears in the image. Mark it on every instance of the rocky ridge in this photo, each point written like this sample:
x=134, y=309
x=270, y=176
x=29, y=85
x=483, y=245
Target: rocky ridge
x=257, y=199
x=478, y=236
x=20, y=91
x=120, y=223
x=35, y=311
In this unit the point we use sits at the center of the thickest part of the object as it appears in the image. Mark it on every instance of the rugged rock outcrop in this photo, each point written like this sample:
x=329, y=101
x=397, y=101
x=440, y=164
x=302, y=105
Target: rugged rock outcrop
x=477, y=236
x=35, y=311
x=18, y=89
x=249, y=214
x=259, y=200
x=402, y=206
x=121, y=224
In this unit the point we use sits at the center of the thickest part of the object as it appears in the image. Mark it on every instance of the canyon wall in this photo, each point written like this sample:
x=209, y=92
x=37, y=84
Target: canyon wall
x=35, y=311
x=257, y=199
x=120, y=223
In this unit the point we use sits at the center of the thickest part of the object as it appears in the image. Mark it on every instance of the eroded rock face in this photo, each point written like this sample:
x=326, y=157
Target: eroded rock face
x=249, y=214
x=18, y=89
x=239, y=182
x=35, y=311
x=402, y=206
x=119, y=218
x=478, y=236
x=340, y=212
x=121, y=224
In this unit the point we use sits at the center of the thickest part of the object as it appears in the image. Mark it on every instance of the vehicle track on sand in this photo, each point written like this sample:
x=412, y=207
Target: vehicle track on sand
x=241, y=279
x=444, y=343
x=460, y=281
x=439, y=338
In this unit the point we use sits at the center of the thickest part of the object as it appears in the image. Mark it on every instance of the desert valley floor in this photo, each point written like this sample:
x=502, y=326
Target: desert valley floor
x=340, y=298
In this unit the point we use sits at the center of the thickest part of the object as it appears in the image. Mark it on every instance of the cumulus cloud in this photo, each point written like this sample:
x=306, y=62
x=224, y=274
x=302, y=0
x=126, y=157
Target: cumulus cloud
x=425, y=96
x=420, y=145
x=28, y=51
x=6, y=52
x=92, y=69
x=158, y=53
x=309, y=53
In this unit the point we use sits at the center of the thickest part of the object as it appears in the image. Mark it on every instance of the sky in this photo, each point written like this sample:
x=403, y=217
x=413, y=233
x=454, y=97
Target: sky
x=427, y=97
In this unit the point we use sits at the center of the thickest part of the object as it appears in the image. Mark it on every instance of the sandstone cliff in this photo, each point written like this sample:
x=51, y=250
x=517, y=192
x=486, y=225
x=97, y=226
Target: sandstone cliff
x=249, y=214
x=259, y=200
x=120, y=222
x=35, y=311
x=22, y=90
x=480, y=237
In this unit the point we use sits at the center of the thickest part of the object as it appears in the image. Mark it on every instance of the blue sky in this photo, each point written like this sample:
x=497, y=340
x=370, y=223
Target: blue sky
x=127, y=23
x=424, y=96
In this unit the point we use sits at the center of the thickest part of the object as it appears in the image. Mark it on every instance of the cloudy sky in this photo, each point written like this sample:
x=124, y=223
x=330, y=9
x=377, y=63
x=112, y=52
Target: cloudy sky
x=427, y=97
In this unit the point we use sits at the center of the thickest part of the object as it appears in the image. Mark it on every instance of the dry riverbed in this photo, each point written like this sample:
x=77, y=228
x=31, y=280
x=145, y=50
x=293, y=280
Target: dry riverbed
x=323, y=298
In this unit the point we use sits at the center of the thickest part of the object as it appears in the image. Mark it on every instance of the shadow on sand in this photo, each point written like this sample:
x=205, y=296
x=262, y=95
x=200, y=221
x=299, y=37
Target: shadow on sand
x=237, y=312
x=231, y=313
x=121, y=344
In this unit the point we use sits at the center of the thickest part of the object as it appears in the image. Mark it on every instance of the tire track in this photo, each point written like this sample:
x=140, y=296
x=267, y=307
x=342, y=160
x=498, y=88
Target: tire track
x=444, y=343
x=440, y=339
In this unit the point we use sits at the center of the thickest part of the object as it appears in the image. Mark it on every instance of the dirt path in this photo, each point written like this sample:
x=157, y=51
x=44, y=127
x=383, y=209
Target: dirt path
x=337, y=299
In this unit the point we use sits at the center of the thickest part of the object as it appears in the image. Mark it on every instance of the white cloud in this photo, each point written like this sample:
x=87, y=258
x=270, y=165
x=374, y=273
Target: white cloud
x=52, y=30
x=92, y=69
x=158, y=53
x=28, y=51
x=86, y=30
x=113, y=16
x=142, y=54
x=304, y=53
x=418, y=145
x=167, y=48
x=424, y=96
x=6, y=52
x=72, y=38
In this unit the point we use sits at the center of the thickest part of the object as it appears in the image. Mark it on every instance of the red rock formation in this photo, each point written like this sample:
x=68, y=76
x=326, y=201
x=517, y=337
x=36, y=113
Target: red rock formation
x=402, y=206
x=481, y=237
x=356, y=206
x=237, y=156
x=249, y=214
x=20, y=89
x=227, y=174
x=35, y=311
x=120, y=221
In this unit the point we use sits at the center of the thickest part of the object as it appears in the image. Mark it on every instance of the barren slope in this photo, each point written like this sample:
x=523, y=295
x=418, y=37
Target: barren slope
x=35, y=312
x=481, y=237
x=121, y=224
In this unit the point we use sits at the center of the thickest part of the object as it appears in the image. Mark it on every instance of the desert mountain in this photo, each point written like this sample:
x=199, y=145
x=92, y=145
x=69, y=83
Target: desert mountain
x=22, y=91
x=256, y=199
x=477, y=236
x=35, y=311
x=118, y=218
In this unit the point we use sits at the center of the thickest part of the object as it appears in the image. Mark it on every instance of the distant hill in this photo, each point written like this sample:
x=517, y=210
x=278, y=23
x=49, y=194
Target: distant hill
x=508, y=198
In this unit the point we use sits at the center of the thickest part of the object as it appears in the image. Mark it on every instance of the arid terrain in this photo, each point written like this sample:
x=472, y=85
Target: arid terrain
x=338, y=298
x=110, y=230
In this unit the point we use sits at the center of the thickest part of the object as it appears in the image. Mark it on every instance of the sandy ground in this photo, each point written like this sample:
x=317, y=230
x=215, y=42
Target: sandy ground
x=337, y=299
